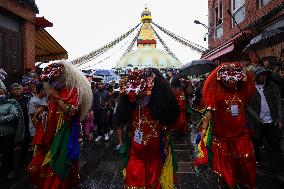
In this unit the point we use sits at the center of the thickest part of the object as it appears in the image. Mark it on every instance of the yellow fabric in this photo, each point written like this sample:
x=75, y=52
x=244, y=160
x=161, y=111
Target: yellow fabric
x=167, y=176
x=204, y=139
x=200, y=152
x=47, y=158
x=124, y=172
x=60, y=122
x=201, y=110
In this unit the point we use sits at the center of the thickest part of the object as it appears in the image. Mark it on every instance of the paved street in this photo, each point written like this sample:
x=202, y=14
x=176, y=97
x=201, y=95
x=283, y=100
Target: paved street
x=100, y=169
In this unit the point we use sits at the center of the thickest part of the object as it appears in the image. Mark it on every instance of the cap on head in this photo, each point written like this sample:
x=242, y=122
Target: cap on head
x=258, y=69
x=15, y=85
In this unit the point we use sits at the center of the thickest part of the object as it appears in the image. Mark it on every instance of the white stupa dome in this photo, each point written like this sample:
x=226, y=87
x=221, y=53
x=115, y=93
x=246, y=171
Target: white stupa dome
x=149, y=58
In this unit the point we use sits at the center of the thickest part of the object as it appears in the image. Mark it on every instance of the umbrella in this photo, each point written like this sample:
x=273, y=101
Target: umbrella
x=267, y=38
x=198, y=67
x=108, y=75
x=185, y=65
x=104, y=73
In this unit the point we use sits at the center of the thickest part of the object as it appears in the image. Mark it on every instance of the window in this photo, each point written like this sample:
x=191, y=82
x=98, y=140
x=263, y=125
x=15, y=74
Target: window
x=238, y=11
x=263, y=2
x=218, y=20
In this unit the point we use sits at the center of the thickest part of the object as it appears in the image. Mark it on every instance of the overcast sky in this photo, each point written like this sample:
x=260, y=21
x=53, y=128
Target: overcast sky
x=85, y=25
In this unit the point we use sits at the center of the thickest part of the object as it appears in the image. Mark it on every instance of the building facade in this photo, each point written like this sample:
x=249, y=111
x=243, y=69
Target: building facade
x=228, y=17
x=23, y=39
x=17, y=37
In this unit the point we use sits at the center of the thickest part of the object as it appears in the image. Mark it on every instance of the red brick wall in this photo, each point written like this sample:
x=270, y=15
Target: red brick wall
x=28, y=29
x=29, y=45
x=253, y=13
x=18, y=10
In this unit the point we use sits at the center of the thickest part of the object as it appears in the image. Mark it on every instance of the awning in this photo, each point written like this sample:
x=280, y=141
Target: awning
x=222, y=50
x=219, y=52
x=41, y=22
x=47, y=48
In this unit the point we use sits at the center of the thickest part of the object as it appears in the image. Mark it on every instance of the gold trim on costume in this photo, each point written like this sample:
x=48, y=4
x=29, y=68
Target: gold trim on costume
x=210, y=108
x=152, y=124
x=134, y=187
x=217, y=143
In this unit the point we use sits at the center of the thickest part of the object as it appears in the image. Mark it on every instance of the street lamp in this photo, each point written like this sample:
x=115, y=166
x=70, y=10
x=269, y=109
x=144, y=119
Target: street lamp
x=198, y=22
x=205, y=26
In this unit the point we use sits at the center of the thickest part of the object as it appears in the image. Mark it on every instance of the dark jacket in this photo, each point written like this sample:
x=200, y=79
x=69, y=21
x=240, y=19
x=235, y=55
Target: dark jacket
x=100, y=99
x=12, y=119
x=272, y=95
x=23, y=102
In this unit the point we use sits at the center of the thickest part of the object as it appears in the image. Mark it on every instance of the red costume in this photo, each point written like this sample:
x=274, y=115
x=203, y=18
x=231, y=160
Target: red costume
x=145, y=164
x=233, y=152
x=149, y=159
x=182, y=122
x=48, y=179
x=55, y=161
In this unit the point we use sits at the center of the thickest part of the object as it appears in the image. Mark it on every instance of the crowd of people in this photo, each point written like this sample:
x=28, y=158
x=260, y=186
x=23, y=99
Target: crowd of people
x=232, y=115
x=42, y=116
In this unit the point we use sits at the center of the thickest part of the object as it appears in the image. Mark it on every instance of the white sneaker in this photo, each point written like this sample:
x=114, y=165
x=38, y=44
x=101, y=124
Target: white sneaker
x=106, y=137
x=111, y=132
x=98, y=138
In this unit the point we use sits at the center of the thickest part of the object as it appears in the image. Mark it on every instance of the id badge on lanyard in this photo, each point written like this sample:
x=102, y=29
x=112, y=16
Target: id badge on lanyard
x=138, y=136
x=234, y=110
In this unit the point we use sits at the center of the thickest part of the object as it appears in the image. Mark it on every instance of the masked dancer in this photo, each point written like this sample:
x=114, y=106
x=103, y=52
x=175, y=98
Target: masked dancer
x=147, y=107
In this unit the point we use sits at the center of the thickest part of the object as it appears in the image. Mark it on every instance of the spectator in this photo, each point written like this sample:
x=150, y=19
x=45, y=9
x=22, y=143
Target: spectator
x=100, y=102
x=169, y=76
x=11, y=130
x=16, y=92
x=88, y=126
x=110, y=107
x=270, y=63
x=36, y=101
x=118, y=128
x=265, y=110
x=32, y=88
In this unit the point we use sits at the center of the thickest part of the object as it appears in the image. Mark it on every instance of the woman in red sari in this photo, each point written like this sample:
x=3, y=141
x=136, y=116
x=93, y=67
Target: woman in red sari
x=226, y=93
x=179, y=85
x=69, y=99
x=148, y=106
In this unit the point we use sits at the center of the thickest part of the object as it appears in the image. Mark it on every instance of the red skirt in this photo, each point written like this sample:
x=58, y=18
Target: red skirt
x=38, y=138
x=234, y=161
x=53, y=181
x=141, y=174
x=181, y=123
x=43, y=177
x=35, y=167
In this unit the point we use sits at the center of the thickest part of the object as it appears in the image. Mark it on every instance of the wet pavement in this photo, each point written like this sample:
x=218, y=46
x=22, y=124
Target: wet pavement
x=100, y=168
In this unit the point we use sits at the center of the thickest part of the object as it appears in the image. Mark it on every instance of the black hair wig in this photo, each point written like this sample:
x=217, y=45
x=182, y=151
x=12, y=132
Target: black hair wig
x=163, y=104
x=176, y=80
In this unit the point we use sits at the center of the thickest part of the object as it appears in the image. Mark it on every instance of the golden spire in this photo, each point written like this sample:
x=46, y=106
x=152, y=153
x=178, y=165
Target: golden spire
x=146, y=37
x=146, y=15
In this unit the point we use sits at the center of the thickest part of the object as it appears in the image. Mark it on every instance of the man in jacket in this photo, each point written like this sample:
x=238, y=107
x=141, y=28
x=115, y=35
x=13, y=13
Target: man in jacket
x=100, y=102
x=16, y=92
x=11, y=130
x=266, y=113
